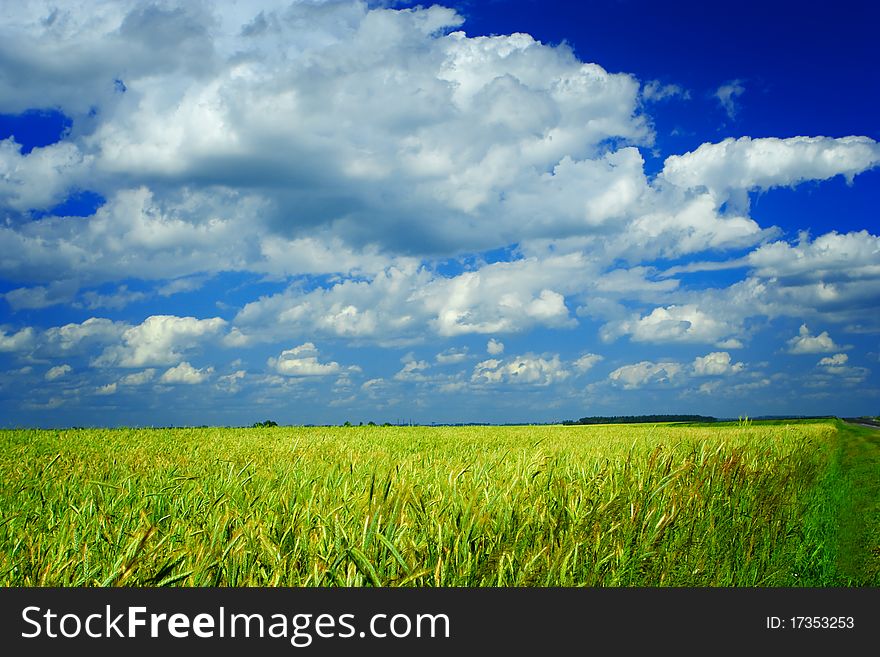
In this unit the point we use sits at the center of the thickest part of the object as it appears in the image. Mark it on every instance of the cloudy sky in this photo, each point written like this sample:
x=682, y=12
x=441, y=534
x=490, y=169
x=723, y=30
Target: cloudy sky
x=320, y=211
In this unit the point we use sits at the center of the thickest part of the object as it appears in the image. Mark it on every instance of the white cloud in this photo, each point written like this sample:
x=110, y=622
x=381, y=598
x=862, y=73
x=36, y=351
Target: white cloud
x=452, y=387
x=752, y=385
x=117, y=300
x=494, y=347
x=58, y=372
x=528, y=369
x=78, y=48
x=746, y=163
x=727, y=95
x=159, y=340
x=848, y=263
x=634, y=283
x=710, y=387
x=40, y=296
x=52, y=402
x=412, y=371
x=41, y=178
x=405, y=303
x=836, y=366
x=374, y=386
x=715, y=364
x=586, y=362
x=680, y=223
x=343, y=383
x=231, y=383
x=370, y=146
x=178, y=285
x=503, y=137
x=186, y=374
x=501, y=297
x=350, y=308
x=730, y=343
x=834, y=361
x=448, y=126
x=18, y=341
x=805, y=343
x=645, y=373
x=77, y=337
x=302, y=361
x=832, y=278
x=451, y=356
x=238, y=375
x=685, y=323
x=109, y=389
x=138, y=378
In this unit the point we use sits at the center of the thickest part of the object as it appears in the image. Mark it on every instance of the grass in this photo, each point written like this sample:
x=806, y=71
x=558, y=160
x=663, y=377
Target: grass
x=749, y=504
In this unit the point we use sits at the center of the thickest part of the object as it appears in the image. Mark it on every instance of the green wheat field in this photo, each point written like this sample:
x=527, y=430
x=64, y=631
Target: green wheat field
x=741, y=504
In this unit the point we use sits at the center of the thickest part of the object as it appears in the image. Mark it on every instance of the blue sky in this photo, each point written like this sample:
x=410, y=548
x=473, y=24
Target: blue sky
x=511, y=211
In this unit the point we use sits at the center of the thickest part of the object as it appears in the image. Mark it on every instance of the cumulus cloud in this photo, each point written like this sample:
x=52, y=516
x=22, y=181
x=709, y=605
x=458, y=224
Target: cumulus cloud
x=832, y=258
x=138, y=378
x=159, y=340
x=476, y=303
x=746, y=163
x=412, y=371
x=447, y=124
x=186, y=374
x=201, y=160
x=494, y=347
x=715, y=364
x=586, y=362
x=302, y=361
x=831, y=278
x=407, y=302
x=357, y=165
x=644, y=373
x=684, y=224
x=350, y=308
x=527, y=369
x=686, y=323
x=231, y=382
x=18, y=341
x=134, y=235
x=75, y=337
x=108, y=389
x=58, y=372
x=40, y=178
x=834, y=361
x=836, y=366
x=805, y=343
x=373, y=386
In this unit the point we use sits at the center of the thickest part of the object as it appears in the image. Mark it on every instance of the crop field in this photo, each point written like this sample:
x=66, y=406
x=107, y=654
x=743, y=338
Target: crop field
x=747, y=504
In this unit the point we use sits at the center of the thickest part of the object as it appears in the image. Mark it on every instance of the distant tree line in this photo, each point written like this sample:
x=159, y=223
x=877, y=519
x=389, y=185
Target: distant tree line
x=635, y=419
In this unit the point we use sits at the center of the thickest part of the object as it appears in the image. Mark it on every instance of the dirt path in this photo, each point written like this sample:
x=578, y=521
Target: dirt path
x=863, y=424
x=860, y=522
